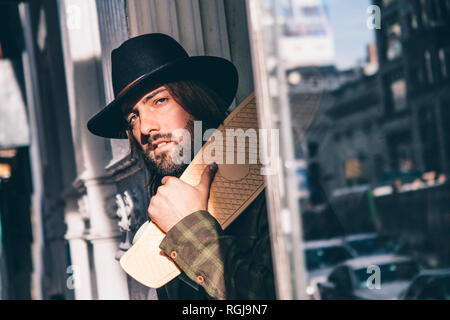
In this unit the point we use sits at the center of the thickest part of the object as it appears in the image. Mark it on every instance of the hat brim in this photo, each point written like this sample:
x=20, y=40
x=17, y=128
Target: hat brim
x=217, y=73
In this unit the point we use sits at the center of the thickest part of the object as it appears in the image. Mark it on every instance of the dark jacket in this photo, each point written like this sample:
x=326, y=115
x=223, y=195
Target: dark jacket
x=234, y=263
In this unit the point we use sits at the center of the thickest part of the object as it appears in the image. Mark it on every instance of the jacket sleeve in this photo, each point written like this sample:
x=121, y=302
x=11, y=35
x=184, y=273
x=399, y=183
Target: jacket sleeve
x=224, y=267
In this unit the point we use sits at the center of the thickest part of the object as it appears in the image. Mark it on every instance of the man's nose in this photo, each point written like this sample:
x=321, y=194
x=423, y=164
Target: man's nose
x=149, y=122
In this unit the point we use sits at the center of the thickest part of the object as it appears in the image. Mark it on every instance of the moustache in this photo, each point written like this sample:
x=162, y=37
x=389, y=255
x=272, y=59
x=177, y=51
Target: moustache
x=157, y=136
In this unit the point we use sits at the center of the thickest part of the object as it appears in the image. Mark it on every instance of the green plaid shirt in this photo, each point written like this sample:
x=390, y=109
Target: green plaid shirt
x=234, y=263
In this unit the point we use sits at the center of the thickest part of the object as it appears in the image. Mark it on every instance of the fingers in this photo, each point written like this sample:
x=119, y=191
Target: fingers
x=207, y=177
x=151, y=210
x=166, y=179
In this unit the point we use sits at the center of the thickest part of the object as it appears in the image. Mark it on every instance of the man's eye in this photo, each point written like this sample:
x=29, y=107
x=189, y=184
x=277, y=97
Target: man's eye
x=160, y=100
x=132, y=119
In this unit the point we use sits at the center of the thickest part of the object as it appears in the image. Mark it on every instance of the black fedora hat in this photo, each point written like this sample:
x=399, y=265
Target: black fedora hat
x=152, y=59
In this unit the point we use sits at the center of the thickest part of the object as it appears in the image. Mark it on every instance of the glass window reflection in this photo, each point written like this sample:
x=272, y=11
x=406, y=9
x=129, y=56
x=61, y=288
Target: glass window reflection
x=370, y=116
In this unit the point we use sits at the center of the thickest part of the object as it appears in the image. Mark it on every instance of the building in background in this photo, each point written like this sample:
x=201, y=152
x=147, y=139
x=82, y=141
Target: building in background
x=414, y=50
x=307, y=38
x=387, y=126
x=387, y=122
x=15, y=175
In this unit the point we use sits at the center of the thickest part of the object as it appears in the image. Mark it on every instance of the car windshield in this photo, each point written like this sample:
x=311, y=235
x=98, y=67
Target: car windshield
x=321, y=258
x=389, y=272
x=376, y=245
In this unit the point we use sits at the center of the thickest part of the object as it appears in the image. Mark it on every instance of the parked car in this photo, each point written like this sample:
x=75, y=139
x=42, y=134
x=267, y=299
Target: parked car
x=429, y=285
x=321, y=256
x=358, y=278
x=366, y=244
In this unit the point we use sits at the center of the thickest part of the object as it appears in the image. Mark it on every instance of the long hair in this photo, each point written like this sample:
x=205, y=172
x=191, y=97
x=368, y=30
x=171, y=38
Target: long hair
x=198, y=100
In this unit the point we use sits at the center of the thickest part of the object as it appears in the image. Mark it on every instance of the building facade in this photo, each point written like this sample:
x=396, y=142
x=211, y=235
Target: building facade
x=387, y=126
x=414, y=50
x=387, y=122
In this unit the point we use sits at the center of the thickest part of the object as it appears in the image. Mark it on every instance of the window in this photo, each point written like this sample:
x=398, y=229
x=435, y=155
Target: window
x=304, y=30
x=428, y=67
x=341, y=279
x=326, y=257
x=445, y=124
x=443, y=63
x=429, y=137
x=394, y=45
x=352, y=169
x=424, y=12
x=387, y=2
x=398, y=93
x=417, y=77
x=437, y=8
x=401, y=152
x=413, y=21
x=310, y=11
x=389, y=272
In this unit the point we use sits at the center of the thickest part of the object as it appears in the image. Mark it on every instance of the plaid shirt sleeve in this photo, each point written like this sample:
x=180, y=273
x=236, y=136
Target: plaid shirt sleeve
x=218, y=262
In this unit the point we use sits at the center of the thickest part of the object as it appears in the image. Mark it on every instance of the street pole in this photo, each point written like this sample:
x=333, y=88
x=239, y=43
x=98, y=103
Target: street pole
x=274, y=113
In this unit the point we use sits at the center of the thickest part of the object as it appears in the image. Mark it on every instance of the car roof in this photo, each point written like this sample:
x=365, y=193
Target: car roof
x=379, y=259
x=315, y=244
x=434, y=272
x=362, y=236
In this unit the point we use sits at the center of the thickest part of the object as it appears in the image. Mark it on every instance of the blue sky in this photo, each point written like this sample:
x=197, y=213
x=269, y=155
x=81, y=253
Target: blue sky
x=348, y=21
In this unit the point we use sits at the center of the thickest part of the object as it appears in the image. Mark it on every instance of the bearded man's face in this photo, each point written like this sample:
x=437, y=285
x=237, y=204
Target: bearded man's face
x=155, y=122
x=171, y=161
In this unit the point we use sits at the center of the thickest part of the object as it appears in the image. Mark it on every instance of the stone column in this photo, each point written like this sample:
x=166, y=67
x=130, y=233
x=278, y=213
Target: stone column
x=82, y=55
x=78, y=273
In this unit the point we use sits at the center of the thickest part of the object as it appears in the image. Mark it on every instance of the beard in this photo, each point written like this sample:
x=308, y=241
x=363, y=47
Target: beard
x=172, y=162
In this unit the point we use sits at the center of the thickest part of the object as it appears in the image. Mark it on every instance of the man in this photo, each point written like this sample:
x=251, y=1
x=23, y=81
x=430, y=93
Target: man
x=159, y=89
